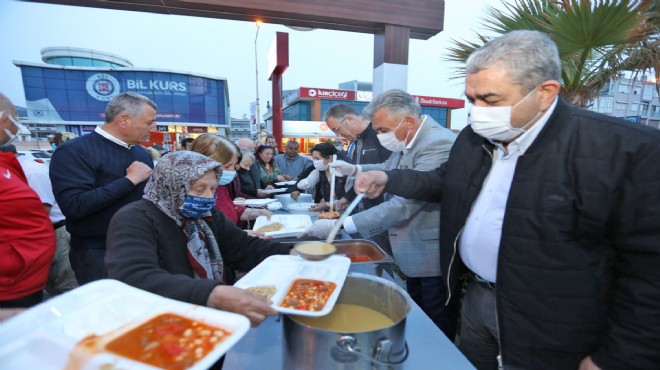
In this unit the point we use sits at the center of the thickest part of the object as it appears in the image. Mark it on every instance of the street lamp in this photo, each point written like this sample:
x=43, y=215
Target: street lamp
x=256, y=72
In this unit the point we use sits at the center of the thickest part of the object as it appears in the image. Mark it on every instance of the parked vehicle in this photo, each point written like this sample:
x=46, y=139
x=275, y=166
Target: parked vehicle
x=39, y=156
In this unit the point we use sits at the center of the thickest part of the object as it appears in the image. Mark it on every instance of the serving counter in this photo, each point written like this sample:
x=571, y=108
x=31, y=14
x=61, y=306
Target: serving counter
x=262, y=347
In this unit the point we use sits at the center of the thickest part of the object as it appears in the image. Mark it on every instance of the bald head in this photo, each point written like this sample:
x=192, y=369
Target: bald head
x=246, y=143
x=6, y=104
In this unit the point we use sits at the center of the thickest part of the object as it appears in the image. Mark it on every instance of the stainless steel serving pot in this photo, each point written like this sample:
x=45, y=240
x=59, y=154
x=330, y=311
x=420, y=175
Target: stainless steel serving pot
x=307, y=347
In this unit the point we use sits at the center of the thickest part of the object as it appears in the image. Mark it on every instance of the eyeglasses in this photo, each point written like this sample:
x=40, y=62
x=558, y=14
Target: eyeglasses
x=341, y=123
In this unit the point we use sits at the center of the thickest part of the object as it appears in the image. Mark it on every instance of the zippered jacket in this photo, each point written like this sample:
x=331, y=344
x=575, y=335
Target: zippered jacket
x=578, y=267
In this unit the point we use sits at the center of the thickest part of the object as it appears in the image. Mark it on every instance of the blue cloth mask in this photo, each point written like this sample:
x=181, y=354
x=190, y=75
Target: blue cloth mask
x=197, y=207
x=226, y=177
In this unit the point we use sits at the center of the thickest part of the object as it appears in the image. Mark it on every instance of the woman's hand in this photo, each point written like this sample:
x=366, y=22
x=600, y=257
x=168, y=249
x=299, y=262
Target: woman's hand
x=322, y=206
x=258, y=234
x=253, y=306
x=261, y=193
x=252, y=214
x=340, y=204
x=281, y=178
x=287, y=177
x=295, y=195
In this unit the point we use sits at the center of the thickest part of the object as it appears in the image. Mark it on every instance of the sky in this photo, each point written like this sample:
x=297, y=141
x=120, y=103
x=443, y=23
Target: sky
x=226, y=49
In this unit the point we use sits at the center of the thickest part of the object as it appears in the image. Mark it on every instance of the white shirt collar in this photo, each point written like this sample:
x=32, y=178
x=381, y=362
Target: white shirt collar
x=108, y=136
x=410, y=144
x=524, y=141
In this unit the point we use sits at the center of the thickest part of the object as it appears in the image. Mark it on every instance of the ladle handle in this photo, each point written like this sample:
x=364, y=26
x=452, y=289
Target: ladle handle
x=332, y=183
x=346, y=343
x=337, y=226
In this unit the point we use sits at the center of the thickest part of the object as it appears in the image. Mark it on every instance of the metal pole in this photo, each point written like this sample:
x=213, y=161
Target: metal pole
x=256, y=72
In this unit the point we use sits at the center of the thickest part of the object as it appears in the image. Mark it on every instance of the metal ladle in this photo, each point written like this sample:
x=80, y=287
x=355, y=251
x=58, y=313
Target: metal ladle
x=347, y=212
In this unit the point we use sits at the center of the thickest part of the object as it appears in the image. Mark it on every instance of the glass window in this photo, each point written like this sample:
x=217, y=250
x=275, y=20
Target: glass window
x=32, y=71
x=620, y=105
x=82, y=62
x=648, y=93
x=437, y=113
x=624, y=88
x=301, y=111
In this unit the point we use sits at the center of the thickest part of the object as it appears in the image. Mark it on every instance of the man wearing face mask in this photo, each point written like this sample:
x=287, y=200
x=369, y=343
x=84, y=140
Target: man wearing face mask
x=553, y=212
x=417, y=142
x=27, y=237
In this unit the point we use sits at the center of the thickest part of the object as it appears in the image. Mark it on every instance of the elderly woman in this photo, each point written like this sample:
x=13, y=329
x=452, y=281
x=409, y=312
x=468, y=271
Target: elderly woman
x=176, y=244
x=221, y=150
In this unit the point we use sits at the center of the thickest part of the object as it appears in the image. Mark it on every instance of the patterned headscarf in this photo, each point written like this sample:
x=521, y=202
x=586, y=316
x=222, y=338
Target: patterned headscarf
x=173, y=177
x=171, y=180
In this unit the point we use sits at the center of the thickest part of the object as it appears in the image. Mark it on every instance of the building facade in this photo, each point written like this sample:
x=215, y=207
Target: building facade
x=633, y=99
x=71, y=90
x=304, y=108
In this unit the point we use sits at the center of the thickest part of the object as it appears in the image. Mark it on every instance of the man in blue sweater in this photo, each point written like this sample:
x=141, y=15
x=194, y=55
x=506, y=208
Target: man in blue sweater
x=94, y=175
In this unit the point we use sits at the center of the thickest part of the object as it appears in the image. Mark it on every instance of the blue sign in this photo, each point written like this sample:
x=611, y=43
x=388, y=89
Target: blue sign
x=632, y=119
x=81, y=95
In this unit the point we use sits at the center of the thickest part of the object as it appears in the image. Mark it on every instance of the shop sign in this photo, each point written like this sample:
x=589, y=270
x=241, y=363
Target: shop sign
x=316, y=93
x=432, y=101
x=364, y=95
x=162, y=128
x=197, y=130
x=305, y=129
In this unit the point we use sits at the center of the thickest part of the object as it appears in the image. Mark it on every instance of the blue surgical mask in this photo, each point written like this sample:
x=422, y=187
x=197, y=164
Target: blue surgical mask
x=197, y=207
x=226, y=177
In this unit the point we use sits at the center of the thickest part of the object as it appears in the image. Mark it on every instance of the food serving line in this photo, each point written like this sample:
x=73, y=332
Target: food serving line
x=275, y=343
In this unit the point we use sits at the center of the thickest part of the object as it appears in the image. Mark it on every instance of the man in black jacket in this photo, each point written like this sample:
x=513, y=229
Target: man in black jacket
x=553, y=212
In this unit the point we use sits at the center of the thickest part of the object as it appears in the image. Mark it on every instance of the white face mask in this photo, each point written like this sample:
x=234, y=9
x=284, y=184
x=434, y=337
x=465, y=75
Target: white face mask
x=494, y=123
x=319, y=165
x=389, y=141
x=8, y=132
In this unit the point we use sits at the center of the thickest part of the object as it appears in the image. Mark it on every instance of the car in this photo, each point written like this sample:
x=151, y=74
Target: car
x=39, y=156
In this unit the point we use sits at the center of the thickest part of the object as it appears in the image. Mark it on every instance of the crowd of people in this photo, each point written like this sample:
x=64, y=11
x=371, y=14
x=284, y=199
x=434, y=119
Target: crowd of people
x=531, y=237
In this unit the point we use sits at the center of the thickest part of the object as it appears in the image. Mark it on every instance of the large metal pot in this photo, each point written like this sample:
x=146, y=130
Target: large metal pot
x=307, y=347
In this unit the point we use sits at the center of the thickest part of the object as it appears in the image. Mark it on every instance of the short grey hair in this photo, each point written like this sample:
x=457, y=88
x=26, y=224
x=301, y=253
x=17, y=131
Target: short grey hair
x=247, y=154
x=529, y=57
x=128, y=103
x=398, y=103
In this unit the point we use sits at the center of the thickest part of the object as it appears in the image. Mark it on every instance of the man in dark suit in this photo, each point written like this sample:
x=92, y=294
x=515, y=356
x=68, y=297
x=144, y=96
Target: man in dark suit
x=553, y=212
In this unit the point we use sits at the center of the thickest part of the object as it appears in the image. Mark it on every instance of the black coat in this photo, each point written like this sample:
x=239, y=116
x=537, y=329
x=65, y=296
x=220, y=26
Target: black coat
x=146, y=249
x=372, y=152
x=578, y=267
x=250, y=180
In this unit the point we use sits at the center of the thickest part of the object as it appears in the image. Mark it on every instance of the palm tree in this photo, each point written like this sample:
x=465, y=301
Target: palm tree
x=597, y=40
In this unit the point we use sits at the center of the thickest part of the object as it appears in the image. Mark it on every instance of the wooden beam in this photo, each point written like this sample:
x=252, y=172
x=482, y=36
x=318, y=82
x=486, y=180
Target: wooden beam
x=424, y=18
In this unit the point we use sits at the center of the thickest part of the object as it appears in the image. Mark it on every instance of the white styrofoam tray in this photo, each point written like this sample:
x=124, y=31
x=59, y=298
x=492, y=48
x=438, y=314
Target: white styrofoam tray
x=44, y=336
x=260, y=202
x=294, y=225
x=282, y=270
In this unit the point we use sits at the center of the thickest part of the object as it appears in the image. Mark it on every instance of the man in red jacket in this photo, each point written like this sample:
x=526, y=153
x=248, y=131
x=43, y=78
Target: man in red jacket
x=27, y=238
